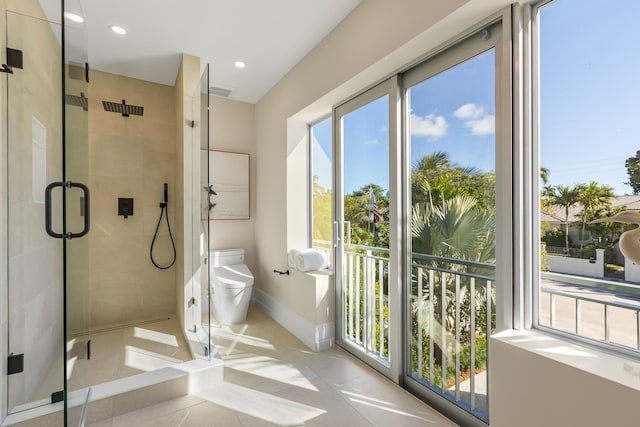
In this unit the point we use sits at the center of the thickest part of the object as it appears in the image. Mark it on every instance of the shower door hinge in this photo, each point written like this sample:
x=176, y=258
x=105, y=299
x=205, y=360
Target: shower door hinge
x=15, y=363
x=14, y=60
x=57, y=396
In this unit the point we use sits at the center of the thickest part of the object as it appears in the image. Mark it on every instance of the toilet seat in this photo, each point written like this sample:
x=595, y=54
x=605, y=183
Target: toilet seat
x=232, y=276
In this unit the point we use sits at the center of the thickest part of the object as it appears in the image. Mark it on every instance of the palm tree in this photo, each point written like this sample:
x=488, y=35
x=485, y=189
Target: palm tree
x=565, y=197
x=593, y=196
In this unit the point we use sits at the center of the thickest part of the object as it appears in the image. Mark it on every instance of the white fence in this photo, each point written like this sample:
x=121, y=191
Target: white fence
x=582, y=267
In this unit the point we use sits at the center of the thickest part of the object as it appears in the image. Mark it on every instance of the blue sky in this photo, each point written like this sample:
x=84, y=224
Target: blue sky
x=589, y=102
x=590, y=94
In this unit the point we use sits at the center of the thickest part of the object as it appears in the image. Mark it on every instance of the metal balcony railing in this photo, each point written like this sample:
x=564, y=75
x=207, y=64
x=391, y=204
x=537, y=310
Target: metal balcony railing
x=446, y=321
x=600, y=320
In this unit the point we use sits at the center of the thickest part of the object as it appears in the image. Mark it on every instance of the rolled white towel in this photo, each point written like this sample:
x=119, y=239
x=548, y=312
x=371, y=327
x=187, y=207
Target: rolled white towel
x=291, y=257
x=310, y=260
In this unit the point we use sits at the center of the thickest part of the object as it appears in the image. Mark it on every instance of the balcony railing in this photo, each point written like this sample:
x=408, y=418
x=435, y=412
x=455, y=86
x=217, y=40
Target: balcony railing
x=447, y=322
x=593, y=317
x=452, y=318
x=366, y=299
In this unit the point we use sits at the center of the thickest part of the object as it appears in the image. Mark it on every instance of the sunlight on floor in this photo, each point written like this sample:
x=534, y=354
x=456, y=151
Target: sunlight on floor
x=270, y=368
x=155, y=336
x=147, y=361
x=383, y=406
x=261, y=405
x=238, y=338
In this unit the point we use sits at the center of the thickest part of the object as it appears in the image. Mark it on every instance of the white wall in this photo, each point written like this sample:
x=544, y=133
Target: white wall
x=365, y=47
x=579, y=266
x=537, y=380
x=232, y=129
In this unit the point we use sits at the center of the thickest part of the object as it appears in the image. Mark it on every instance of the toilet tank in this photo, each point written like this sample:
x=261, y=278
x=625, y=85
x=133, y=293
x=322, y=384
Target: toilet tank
x=224, y=257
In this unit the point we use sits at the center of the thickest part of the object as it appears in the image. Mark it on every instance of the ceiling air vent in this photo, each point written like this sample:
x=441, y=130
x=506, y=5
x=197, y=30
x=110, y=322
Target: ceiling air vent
x=220, y=91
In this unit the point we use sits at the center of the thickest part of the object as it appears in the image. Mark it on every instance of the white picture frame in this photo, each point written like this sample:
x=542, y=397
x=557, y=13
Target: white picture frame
x=227, y=191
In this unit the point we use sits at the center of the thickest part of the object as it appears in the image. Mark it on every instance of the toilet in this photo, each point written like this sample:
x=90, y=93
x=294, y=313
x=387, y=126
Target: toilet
x=231, y=283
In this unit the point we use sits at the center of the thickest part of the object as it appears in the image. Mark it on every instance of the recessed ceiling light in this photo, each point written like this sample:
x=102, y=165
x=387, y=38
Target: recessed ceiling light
x=118, y=30
x=73, y=17
x=239, y=64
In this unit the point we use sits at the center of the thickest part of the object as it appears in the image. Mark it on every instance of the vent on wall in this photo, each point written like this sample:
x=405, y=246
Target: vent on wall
x=220, y=91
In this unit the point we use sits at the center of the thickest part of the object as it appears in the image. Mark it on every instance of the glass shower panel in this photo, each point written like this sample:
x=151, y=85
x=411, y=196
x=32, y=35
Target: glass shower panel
x=35, y=260
x=78, y=207
x=205, y=215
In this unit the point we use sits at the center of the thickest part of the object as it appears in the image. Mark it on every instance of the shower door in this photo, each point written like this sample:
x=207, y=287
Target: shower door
x=46, y=213
x=35, y=261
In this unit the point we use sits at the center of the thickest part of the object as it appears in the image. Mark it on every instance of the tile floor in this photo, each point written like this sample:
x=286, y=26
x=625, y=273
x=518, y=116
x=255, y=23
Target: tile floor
x=272, y=379
x=118, y=352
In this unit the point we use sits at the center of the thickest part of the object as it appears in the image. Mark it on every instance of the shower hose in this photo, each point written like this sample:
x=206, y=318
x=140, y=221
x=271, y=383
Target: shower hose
x=163, y=210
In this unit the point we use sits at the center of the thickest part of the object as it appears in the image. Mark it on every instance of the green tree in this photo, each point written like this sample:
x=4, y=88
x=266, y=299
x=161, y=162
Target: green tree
x=564, y=197
x=358, y=212
x=544, y=176
x=435, y=179
x=593, y=196
x=322, y=212
x=633, y=170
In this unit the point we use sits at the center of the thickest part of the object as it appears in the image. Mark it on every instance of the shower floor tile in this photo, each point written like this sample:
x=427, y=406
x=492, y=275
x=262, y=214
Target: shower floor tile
x=117, y=352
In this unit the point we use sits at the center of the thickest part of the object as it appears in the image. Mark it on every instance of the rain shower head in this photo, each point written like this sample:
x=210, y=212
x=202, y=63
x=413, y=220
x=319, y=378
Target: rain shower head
x=78, y=101
x=124, y=108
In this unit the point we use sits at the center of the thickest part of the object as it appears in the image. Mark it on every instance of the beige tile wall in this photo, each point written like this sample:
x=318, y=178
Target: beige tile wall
x=130, y=157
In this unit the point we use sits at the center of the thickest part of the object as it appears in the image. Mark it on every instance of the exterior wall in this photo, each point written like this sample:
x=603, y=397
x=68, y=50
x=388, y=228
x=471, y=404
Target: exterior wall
x=631, y=271
x=581, y=267
x=130, y=157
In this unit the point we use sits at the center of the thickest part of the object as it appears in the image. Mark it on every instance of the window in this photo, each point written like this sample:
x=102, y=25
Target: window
x=321, y=187
x=589, y=169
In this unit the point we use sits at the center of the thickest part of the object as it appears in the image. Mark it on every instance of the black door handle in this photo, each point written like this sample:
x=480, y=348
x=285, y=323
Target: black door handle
x=87, y=210
x=47, y=210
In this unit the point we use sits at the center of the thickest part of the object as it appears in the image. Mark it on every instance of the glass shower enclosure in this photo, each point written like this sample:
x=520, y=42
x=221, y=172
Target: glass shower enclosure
x=47, y=213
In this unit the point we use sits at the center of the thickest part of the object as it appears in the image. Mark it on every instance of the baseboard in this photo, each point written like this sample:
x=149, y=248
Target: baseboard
x=317, y=337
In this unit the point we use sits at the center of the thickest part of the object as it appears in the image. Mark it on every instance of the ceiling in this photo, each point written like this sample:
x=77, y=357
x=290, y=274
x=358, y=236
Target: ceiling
x=270, y=36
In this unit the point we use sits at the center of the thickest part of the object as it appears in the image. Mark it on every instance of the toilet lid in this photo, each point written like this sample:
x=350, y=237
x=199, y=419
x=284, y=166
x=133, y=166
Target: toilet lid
x=232, y=276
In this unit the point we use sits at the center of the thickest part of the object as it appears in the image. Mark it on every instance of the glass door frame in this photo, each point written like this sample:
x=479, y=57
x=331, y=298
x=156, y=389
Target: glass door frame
x=473, y=43
x=389, y=87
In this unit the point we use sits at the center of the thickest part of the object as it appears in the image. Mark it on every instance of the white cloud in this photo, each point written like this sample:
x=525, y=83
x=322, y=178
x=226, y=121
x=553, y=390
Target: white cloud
x=477, y=119
x=430, y=126
x=483, y=126
x=469, y=111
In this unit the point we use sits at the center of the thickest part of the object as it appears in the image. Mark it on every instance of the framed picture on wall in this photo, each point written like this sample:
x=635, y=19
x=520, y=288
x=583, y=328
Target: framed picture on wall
x=226, y=194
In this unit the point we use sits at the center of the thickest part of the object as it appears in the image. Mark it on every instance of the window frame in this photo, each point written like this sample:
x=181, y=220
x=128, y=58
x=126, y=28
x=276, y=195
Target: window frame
x=310, y=158
x=528, y=312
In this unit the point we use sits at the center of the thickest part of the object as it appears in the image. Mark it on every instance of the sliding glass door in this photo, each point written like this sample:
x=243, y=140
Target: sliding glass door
x=364, y=224
x=420, y=229
x=452, y=140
